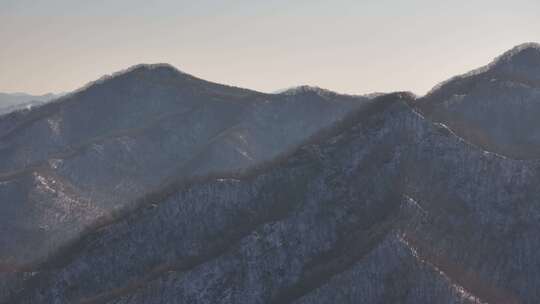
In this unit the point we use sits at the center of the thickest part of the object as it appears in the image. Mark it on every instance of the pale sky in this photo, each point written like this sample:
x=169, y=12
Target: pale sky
x=350, y=46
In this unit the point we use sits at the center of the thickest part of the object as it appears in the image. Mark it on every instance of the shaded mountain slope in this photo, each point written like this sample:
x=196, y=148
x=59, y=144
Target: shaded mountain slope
x=383, y=207
x=186, y=191
x=67, y=163
x=497, y=106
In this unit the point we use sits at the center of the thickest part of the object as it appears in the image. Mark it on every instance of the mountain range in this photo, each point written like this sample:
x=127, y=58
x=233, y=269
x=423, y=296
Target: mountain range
x=16, y=101
x=154, y=186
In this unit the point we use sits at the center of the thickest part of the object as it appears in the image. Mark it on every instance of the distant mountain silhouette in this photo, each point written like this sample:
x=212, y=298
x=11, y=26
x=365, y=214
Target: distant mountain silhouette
x=16, y=101
x=153, y=186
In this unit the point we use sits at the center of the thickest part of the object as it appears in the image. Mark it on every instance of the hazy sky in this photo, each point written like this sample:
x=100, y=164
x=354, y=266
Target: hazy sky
x=350, y=46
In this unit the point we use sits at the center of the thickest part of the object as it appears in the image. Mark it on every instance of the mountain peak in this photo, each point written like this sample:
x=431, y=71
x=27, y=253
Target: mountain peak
x=525, y=54
x=148, y=69
x=152, y=67
x=143, y=69
x=521, y=64
x=302, y=89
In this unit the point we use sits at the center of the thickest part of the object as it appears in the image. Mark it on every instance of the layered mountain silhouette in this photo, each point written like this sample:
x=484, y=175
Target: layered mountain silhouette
x=153, y=186
x=70, y=162
x=17, y=101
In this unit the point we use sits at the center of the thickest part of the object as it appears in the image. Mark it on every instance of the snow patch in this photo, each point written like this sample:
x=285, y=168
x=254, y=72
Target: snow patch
x=460, y=290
